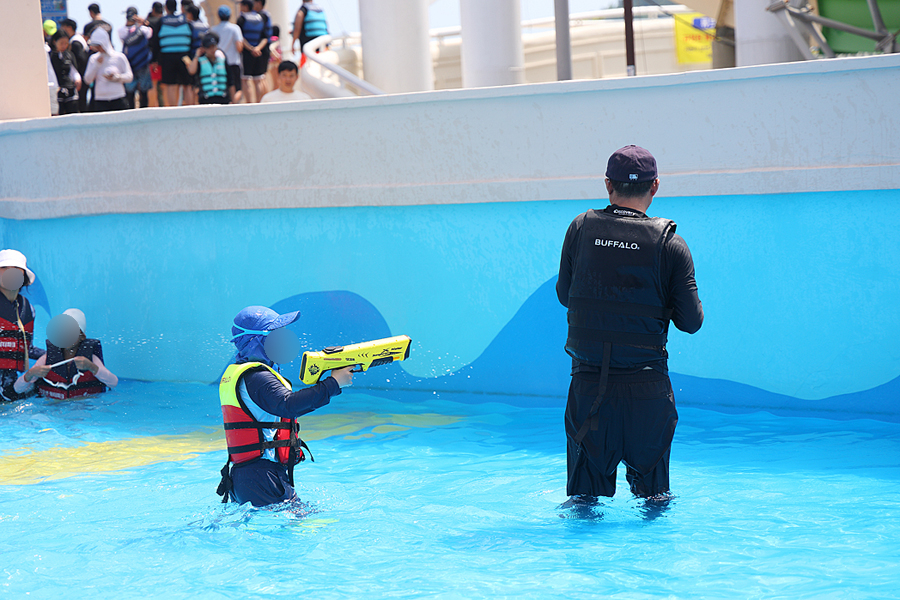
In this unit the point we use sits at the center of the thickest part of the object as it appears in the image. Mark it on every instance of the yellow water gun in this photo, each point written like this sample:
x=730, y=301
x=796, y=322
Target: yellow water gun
x=363, y=355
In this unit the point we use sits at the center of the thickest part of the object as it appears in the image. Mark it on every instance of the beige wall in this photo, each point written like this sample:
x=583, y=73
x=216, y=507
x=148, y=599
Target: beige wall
x=23, y=70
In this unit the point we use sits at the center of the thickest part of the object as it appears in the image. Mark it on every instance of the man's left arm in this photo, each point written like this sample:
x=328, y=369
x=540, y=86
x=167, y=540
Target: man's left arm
x=687, y=310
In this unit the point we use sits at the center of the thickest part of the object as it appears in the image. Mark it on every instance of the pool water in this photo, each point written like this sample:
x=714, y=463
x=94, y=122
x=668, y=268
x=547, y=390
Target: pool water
x=427, y=495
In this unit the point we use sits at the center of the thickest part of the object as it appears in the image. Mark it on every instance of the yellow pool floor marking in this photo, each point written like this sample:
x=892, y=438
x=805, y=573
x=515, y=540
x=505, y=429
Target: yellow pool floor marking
x=25, y=466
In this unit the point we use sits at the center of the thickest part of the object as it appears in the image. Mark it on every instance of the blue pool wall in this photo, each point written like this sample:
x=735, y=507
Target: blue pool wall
x=796, y=263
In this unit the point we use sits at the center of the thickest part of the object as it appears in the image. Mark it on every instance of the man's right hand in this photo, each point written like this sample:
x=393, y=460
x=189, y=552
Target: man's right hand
x=344, y=377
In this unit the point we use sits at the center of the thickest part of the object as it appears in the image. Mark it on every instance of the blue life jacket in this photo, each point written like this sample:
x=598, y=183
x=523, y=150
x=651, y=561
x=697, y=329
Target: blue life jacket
x=174, y=35
x=253, y=27
x=136, y=47
x=198, y=30
x=314, y=23
x=213, y=77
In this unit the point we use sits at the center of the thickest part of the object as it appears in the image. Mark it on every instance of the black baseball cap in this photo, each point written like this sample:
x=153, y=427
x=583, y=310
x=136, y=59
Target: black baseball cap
x=631, y=164
x=210, y=39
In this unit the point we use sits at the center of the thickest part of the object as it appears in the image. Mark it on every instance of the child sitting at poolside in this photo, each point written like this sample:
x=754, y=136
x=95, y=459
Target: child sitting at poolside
x=73, y=365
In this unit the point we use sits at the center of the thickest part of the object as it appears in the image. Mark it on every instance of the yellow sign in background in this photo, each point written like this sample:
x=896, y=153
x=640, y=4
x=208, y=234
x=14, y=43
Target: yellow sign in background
x=694, y=34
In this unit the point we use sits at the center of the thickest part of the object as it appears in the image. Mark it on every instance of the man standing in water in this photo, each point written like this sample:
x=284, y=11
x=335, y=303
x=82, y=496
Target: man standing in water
x=623, y=276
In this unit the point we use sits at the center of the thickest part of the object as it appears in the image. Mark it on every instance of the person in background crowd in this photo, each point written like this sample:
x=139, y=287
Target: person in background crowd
x=231, y=42
x=96, y=21
x=174, y=38
x=253, y=27
x=136, y=36
x=275, y=58
x=260, y=7
x=198, y=30
x=154, y=96
x=287, y=79
x=67, y=75
x=79, y=48
x=16, y=323
x=110, y=70
x=210, y=66
x=73, y=365
x=50, y=28
x=309, y=24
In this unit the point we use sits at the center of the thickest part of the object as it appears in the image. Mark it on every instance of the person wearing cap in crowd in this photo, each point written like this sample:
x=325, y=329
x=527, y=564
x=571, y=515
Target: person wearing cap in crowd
x=73, y=365
x=135, y=36
x=49, y=26
x=231, y=42
x=623, y=276
x=110, y=70
x=260, y=411
x=209, y=63
x=16, y=322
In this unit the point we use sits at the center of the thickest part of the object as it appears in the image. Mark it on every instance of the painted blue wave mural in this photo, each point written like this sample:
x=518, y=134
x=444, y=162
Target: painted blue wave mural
x=525, y=364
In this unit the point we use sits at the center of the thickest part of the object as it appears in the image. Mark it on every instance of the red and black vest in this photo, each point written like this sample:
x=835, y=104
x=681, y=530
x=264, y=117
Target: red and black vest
x=15, y=341
x=66, y=381
x=244, y=434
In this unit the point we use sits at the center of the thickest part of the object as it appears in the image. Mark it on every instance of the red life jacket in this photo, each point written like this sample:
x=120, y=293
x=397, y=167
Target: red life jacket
x=244, y=433
x=66, y=381
x=14, y=344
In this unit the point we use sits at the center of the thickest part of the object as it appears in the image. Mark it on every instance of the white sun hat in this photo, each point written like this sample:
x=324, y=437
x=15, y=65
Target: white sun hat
x=14, y=258
x=78, y=316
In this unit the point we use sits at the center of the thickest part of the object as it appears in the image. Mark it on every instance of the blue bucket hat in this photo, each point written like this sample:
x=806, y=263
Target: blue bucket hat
x=224, y=12
x=250, y=328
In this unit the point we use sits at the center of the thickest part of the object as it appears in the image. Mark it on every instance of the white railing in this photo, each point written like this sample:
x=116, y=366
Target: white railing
x=346, y=77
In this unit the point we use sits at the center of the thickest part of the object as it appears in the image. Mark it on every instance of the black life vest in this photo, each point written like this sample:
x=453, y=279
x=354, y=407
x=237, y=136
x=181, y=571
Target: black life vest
x=15, y=341
x=616, y=293
x=66, y=381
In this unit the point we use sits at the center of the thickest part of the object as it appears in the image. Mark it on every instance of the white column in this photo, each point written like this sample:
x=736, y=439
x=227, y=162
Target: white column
x=24, y=93
x=282, y=17
x=491, y=52
x=760, y=38
x=396, y=45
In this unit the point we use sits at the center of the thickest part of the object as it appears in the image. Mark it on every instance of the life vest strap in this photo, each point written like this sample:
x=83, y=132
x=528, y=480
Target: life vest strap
x=621, y=308
x=624, y=338
x=258, y=425
x=226, y=485
x=592, y=421
x=262, y=446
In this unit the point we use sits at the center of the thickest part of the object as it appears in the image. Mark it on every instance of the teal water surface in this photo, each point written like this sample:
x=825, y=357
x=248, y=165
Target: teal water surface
x=765, y=507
